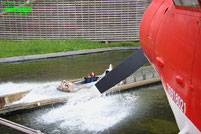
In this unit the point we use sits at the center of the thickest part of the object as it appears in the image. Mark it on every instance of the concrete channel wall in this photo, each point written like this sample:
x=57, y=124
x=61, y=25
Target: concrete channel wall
x=143, y=76
x=144, y=73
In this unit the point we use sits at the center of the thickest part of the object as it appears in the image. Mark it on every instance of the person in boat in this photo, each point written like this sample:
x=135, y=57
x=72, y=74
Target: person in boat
x=88, y=79
x=71, y=87
x=93, y=77
x=68, y=86
x=63, y=85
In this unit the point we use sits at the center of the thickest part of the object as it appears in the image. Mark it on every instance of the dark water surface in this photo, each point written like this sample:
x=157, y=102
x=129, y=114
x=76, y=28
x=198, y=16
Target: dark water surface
x=60, y=68
x=140, y=111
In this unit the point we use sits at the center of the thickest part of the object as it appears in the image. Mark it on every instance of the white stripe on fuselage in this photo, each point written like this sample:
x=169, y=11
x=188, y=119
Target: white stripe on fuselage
x=184, y=124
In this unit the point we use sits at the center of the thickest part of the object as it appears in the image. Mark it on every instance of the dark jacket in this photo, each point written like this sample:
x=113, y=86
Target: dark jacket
x=87, y=80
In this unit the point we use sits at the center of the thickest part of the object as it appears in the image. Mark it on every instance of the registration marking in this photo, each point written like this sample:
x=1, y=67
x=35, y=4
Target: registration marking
x=176, y=98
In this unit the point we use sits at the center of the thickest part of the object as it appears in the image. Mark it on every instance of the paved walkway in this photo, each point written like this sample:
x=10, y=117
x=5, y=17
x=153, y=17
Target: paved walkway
x=62, y=54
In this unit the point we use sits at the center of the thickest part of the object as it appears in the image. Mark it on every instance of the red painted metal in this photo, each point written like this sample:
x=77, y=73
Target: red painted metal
x=170, y=37
x=179, y=80
x=159, y=62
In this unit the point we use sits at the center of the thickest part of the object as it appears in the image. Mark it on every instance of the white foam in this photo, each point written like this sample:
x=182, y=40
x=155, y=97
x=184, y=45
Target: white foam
x=81, y=112
x=10, y=88
x=43, y=91
x=39, y=91
x=92, y=114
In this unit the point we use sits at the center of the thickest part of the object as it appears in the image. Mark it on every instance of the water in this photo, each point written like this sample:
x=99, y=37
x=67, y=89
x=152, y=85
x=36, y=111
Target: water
x=61, y=68
x=140, y=111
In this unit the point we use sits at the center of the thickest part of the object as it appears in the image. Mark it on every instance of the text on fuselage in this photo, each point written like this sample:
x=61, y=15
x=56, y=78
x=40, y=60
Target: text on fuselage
x=176, y=98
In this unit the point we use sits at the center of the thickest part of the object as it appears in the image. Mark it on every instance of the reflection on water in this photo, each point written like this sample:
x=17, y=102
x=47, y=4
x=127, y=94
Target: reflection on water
x=143, y=111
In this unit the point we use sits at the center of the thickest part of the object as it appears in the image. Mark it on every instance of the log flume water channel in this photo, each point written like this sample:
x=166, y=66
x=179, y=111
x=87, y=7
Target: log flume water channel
x=143, y=110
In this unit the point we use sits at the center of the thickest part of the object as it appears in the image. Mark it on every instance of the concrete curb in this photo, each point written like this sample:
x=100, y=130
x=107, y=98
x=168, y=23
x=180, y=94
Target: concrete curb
x=133, y=85
x=62, y=54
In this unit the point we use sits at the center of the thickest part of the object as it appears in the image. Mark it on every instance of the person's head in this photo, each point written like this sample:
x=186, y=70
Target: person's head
x=89, y=75
x=66, y=84
x=92, y=73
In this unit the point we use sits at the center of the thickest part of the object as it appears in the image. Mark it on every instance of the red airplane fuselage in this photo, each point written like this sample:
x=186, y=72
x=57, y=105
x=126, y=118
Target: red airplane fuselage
x=170, y=36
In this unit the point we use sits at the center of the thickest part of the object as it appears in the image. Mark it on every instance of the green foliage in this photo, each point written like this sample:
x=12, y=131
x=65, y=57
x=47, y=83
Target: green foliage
x=10, y=48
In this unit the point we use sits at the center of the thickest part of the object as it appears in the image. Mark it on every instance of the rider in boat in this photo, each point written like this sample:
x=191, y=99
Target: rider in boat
x=94, y=78
x=68, y=86
x=88, y=81
x=90, y=78
x=63, y=84
x=71, y=87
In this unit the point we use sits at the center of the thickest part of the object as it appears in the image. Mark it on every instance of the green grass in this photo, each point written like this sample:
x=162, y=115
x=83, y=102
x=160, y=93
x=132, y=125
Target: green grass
x=29, y=47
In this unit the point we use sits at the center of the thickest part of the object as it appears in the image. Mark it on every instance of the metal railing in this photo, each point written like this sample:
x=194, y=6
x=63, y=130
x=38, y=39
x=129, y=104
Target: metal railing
x=19, y=127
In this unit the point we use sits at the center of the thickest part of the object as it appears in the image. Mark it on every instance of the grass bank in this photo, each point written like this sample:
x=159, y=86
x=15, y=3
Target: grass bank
x=29, y=47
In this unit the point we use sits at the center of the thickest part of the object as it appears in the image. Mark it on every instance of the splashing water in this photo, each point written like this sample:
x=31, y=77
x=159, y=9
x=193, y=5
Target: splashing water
x=84, y=113
x=10, y=88
x=38, y=91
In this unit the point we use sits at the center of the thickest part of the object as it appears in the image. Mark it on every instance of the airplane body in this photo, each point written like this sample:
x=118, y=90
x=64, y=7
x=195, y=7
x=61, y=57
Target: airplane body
x=170, y=36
